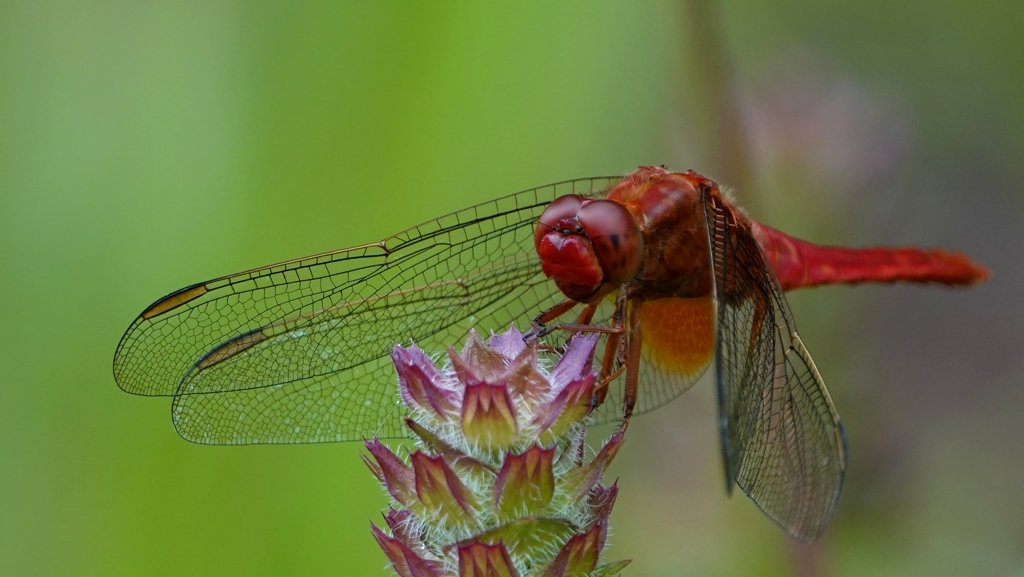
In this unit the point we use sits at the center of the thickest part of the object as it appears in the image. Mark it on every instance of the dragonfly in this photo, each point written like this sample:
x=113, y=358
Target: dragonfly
x=663, y=265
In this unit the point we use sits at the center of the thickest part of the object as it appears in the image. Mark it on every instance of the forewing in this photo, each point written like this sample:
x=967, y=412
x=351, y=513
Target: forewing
x=782, y=440
x=297, y=352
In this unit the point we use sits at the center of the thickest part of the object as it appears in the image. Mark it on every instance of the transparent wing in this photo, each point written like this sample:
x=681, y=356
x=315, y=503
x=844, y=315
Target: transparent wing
x=782, y=440
x=297, y=352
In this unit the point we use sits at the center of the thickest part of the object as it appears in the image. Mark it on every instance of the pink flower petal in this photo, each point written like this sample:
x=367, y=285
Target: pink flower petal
x=482, y=560
x=401, y=525
x=508, y=344
x=526, y=482
x=488, y=416
x=463, y=371
x=524, y=378
x=602, y=499
x=421, y=383
x=570, y=406
x=576, y=363
x=582, y=480
x=439, y=488
x=457, y=458
x=391, y=471
x=484, y=362
x=403, y=559
x=579, y=556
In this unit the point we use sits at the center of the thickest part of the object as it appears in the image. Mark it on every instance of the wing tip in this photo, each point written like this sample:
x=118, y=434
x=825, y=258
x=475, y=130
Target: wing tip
x=157, y=308
x=127, y=383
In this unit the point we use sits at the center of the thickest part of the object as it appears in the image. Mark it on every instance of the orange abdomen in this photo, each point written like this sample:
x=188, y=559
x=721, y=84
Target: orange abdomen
x=679, y=334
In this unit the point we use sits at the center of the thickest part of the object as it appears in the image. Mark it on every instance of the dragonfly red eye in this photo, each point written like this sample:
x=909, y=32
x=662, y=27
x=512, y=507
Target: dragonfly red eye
x=616, y=238
x=559, y=216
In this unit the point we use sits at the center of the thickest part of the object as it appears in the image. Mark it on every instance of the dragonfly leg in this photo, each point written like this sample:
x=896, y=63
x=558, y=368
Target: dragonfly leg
x=601, y=388
x=586, y=315
x=586, y=328
x=612, y=351
x=608, y=374
x=633, y=342
x=582, y=324
x=614, y=346
x=539, y=323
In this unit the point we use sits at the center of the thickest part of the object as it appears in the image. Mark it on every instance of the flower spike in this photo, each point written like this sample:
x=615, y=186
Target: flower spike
x=498, y=484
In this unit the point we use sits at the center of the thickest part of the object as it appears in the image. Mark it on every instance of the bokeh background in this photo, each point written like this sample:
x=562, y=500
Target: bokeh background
x=148, y=145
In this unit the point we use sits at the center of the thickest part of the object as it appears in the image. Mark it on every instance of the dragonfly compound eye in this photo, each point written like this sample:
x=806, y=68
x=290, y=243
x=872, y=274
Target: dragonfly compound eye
x=560, y=216
x=616, y=239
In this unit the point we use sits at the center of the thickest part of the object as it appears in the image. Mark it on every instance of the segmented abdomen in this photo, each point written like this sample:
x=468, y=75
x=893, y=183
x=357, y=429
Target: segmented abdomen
x=799, y=264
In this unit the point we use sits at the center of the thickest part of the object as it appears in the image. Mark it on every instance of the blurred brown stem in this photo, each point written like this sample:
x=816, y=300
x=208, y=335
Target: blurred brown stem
x=717, y=108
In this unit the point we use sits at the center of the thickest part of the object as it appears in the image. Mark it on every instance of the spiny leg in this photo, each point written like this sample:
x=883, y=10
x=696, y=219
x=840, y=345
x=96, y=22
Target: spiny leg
x=540, y=322
x=582, y=324
x=612, y=350
x=633, y=342
x=607, y=375
x=583, y=320
x=587, y=314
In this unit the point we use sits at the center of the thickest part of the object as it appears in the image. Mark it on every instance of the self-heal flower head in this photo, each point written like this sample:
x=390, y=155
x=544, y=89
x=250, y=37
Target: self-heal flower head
x=499, y=483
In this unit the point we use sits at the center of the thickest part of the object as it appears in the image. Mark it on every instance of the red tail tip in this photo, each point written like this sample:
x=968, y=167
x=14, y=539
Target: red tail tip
x=981, y=274
x=973, y=273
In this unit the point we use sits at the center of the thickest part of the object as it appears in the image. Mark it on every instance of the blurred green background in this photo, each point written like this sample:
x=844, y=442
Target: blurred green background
x=148, y=145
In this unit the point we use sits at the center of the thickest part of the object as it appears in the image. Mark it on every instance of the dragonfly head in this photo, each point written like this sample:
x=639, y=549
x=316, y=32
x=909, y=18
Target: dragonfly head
x=588, y=246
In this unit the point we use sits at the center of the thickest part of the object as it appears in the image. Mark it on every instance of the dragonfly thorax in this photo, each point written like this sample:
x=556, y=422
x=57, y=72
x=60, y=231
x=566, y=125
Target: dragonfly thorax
x=669, y=207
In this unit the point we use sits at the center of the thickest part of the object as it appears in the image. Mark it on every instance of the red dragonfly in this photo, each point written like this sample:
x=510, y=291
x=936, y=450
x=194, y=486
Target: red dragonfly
x=661, y=263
